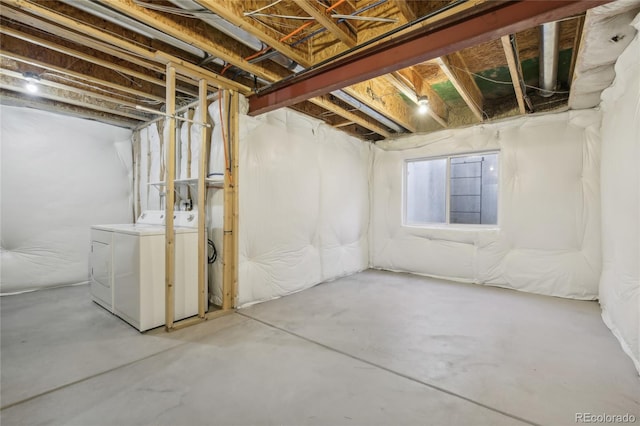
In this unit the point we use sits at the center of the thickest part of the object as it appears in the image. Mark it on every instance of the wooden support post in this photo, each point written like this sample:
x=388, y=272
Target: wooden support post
x=202, y=206
x=230, y=239
x=170, y=155
x=235, y=147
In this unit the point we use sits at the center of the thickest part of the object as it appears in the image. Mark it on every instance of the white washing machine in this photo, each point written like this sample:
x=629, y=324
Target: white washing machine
x=127, y=266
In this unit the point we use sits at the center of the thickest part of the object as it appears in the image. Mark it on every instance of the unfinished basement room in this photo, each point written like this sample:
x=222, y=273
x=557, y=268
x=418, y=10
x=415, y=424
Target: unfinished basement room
x=319, y=212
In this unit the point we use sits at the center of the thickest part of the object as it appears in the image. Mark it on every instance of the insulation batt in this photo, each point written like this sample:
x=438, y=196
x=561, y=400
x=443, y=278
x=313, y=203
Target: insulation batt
x=304, y=204
x=548, y=236
x=60, y=175
x=620, y=282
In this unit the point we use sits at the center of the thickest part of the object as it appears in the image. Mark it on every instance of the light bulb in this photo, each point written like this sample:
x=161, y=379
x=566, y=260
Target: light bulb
x=423, y=105
x=31, y=87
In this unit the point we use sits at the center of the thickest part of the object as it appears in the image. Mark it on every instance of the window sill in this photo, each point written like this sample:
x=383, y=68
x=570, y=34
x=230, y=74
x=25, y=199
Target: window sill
x=453, y=227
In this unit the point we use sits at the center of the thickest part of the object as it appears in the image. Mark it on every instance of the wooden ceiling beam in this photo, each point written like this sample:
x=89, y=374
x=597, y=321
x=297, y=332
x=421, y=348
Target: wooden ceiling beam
x=383, y=98
x=317, y=11
x=486, y=22
x=81, y=38
x=458, y=73
x=232, y=11
x=88, y=35
x=405, y=10
x=84, y=78
x=14, y=81
x=438, y=110
x=206, y=38
x=12, y=98
x=577, y=41
x=514, y=71
x=325, y=103
x=84, y=56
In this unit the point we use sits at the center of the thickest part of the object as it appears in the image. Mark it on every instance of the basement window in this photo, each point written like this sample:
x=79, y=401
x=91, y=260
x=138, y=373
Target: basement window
x=452, y=190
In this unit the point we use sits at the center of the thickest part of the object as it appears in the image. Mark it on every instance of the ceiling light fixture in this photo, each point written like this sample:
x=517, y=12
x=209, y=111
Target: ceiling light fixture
x=423, y=104
x=32, y=80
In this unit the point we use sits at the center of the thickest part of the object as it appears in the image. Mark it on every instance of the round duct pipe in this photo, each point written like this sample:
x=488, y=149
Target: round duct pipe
x=549, y=40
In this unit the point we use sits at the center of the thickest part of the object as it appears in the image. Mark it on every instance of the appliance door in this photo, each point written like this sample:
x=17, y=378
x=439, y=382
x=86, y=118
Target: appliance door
x=100, y=260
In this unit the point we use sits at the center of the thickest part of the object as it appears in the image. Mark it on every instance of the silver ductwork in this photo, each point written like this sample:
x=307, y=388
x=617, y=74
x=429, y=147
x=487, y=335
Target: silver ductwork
x=224, y=26
x=343, y=96
x=255, y=44
x=232, y=31
x=117, y=18
x=549, y=41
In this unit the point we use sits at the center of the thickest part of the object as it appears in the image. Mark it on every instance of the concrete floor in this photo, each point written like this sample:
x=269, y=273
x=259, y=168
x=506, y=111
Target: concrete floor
x=373, y=348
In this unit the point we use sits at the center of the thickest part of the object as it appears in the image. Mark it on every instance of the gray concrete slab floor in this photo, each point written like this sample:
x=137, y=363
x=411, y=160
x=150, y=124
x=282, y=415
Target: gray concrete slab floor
x=373, y=348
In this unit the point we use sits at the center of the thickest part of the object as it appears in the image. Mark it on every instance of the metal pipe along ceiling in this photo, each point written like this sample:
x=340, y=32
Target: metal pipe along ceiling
x=133, y=25
x=549, y=39
x=224, y=26
x=254, y=43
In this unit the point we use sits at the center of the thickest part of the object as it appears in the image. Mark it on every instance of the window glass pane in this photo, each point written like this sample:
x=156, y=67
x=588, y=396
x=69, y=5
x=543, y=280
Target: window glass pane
x=474, y=189
x=426, y=191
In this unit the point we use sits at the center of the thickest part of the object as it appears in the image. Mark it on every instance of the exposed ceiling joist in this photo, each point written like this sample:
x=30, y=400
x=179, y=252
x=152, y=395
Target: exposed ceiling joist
x=487, y=23
x=576, y=49
x=382, y=97
x=406, y=10
x=459, y=75
x=205, y=38
x=17, y=99
x=80, y=78
x=438, y=110
x=350, y=116
x=65, y=50
x=71, y=95
x=317, y=11
x=514, y=71
x=232, y=11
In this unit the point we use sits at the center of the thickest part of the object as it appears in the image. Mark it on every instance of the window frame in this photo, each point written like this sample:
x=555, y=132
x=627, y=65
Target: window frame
x=448, y=224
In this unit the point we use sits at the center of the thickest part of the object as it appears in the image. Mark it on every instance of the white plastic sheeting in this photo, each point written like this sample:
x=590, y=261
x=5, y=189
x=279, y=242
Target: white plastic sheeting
x=59, y=176
x=304, y=205
x=620, y=282
x=548, y=239
x=606, y=35
x=304, y=200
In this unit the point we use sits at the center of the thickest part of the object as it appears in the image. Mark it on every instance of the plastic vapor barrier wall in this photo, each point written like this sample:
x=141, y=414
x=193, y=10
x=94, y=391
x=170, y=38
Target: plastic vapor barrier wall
x=547, y=240
x=60, y=175
x=304, y=204
x=620, y=282
x=304, y=199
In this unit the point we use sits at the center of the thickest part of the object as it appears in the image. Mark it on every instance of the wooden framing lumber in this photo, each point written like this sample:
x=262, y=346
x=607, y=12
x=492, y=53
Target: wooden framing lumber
x=205, y=142
x=576, y=49
x=437, y=108
x=231, y=10
x=513, y=70
x=212, y=42
x=458, y=73
x=80, y=76
x=169, y=199
x=325, y=103
x=228, y=241
x=17, y=98
x=109, y=64
x=14, y=81
x=318, y=12
x=383, y=98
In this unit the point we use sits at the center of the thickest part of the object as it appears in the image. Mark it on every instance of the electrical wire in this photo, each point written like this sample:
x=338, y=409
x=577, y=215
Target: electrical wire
x=262, y=8
x=510, y=83
x=91, y=86
x=213, y=253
